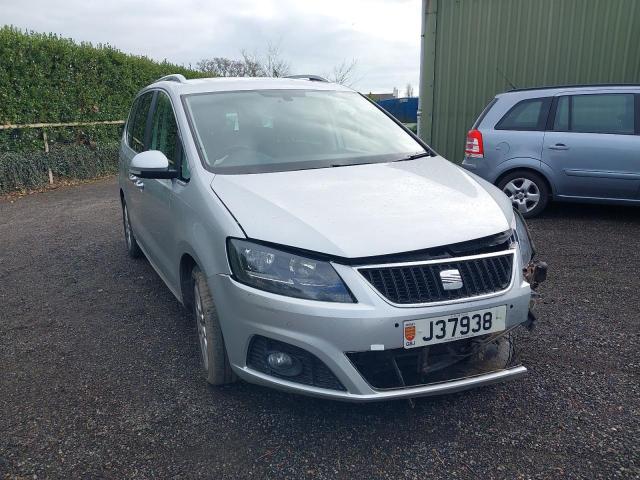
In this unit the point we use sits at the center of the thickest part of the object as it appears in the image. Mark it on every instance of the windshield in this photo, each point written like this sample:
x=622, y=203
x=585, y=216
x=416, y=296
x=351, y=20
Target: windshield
x=279, y=130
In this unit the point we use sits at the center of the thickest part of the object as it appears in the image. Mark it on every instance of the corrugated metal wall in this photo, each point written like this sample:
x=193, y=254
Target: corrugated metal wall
x=532, y=43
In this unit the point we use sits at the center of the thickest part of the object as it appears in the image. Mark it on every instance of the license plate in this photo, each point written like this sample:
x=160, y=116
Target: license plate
x=429, y=331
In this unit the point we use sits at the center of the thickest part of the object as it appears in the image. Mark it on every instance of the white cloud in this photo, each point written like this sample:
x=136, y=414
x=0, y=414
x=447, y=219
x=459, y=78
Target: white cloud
x=314, y=35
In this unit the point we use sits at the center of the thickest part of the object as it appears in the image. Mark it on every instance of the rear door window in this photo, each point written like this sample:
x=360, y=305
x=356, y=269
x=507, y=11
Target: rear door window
x=137, y=126
x=601, y=113
x=530, y=114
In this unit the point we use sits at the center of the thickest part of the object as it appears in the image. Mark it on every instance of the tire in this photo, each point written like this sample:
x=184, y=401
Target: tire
x=528, y=192
x=213, y=353
x=130, y=240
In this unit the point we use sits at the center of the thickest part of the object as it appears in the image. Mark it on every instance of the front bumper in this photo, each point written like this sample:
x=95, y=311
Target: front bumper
x=329, y=330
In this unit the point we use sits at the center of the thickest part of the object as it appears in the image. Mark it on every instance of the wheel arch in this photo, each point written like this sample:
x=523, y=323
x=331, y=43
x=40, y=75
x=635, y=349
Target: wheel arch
x=187, y=262
x=528, y=169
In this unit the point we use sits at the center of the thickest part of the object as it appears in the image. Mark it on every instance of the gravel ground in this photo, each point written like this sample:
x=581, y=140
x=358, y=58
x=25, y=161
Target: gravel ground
x=98, y=370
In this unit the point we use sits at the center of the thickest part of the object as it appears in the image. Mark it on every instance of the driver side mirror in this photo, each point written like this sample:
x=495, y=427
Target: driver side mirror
x=151, y=164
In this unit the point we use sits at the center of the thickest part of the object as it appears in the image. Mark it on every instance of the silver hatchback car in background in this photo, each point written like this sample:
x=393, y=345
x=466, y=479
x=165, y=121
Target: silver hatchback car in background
x=577, y=143
x=323, y=248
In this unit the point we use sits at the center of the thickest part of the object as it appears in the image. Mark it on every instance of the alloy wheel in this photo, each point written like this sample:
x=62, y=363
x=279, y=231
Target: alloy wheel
x=202, y=327
x=523, y=193
x=127, y=228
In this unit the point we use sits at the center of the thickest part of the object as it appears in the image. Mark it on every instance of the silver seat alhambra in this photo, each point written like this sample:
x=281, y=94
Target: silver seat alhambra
x=322, y=247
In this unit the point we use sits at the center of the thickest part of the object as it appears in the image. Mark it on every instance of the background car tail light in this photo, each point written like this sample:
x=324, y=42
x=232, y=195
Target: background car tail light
x=474, y=147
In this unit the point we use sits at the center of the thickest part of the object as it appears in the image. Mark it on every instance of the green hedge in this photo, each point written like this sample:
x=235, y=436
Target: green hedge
x=48, y=79
x=29, y=170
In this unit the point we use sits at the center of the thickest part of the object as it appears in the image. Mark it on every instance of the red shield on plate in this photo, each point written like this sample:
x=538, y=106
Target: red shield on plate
x=410, y=332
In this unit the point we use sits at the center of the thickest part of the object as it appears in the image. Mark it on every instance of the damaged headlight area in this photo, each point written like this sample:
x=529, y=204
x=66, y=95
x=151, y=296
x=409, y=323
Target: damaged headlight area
x=523, y=239
x=535, y=272
x=285, y=273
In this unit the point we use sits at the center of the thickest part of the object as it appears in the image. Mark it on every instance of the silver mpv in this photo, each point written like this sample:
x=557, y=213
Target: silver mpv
x=323, y=248
x=572, y=144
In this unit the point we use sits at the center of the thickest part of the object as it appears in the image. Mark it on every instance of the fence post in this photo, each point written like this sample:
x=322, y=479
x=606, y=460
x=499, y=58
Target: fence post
x=46, y=150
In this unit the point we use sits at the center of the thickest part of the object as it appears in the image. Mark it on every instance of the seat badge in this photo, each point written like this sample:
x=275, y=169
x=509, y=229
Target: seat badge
x=451, y=279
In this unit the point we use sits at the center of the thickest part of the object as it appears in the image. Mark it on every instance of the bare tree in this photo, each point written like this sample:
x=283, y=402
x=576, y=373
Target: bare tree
x=251, y=64
x=409, y=90
x=272, y=63
x=344, y=72
x=223, y=67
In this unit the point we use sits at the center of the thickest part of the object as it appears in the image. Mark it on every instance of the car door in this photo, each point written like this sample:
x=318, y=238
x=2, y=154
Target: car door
x=593, y=147
x=158, y=194
x=136, y=141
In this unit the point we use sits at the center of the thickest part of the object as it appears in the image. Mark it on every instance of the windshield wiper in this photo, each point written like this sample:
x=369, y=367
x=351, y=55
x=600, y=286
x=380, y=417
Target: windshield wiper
x=414, y=156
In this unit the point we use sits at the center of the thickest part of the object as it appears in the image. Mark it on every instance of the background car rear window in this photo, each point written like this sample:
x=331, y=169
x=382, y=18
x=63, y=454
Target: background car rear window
x=601, y=113
x=528, y=114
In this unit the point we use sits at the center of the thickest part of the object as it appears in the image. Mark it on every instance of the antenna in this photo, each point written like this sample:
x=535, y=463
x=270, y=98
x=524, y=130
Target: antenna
x=513, y=87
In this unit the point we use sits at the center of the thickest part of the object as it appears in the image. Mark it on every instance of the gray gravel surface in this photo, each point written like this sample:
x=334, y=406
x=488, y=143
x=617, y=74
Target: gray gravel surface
x=99, y=370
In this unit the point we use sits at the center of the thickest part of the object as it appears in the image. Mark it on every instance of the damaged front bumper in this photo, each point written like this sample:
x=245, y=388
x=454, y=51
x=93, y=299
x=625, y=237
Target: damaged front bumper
x=339, y=339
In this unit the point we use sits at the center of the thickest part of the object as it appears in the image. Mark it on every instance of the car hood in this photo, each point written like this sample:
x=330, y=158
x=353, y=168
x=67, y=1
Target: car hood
x=366, y=210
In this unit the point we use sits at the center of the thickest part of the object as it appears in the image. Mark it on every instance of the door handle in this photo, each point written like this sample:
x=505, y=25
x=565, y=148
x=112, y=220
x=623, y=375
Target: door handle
x=139, y=184
x=132, y=177
x=559, y=146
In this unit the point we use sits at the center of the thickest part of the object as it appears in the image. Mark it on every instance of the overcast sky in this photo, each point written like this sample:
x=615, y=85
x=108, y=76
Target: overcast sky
x=314, y=35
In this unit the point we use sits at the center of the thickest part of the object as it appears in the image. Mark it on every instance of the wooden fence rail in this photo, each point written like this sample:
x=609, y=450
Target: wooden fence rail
x=53, y=125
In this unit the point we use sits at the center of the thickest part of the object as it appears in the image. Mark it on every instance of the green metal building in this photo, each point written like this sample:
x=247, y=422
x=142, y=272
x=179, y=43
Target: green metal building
x=474, y=49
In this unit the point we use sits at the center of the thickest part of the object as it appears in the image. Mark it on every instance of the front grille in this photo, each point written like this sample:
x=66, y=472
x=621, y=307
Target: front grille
x=314, y=371
x=421, y=283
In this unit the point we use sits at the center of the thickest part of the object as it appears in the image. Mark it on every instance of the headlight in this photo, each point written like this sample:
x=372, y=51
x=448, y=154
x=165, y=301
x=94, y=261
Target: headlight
x=525, y=244
x=285, y=273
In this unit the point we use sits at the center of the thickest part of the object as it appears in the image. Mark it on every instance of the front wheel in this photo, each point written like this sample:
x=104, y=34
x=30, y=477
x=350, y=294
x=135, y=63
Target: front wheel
x=527, y=191
x=132, y=245
x=213, y=352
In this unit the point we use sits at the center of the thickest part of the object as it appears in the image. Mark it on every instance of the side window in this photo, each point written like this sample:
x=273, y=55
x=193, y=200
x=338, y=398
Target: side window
x=606, y=113
x=130, y=120
x=561, y=122
x=138, y=122
x=528, y=114
x=164, y=134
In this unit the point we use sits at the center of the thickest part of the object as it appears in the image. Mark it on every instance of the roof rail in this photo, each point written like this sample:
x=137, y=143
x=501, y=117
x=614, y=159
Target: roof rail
x=313, y=78
x=174, y=77
x=577, y=85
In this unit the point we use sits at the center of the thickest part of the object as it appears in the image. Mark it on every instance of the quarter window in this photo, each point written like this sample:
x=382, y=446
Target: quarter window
x=138, y=122
x=526, y=115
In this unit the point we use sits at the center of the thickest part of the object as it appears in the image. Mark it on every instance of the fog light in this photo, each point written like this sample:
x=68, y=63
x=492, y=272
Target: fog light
x=284, y=364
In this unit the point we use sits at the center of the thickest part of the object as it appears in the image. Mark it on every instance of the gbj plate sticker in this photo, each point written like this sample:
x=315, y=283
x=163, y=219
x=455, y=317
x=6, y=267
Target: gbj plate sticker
x=409, y=334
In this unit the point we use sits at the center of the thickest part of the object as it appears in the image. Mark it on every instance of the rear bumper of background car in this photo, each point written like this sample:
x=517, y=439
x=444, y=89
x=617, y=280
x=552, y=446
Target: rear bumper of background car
x=328, y=333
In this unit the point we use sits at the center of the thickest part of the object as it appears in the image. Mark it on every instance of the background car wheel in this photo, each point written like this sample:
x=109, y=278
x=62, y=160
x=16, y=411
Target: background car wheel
x=527, y=191
x=212, y=348
x=132, y=245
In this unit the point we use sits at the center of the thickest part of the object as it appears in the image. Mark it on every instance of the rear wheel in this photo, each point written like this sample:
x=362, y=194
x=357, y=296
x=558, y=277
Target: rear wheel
x=132, y=245
x=213, y=352
x=527, y=191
